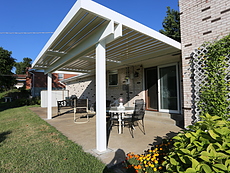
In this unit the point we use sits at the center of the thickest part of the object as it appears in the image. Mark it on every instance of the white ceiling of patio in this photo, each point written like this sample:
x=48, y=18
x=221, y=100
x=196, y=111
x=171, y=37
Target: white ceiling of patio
x=137, y=45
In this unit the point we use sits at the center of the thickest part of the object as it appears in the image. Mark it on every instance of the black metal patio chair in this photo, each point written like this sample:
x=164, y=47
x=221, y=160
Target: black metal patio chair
x=137, y=116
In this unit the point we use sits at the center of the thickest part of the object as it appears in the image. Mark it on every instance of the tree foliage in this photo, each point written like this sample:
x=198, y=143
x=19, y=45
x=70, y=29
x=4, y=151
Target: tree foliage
x=21, y=66
x=171, y=25
x=7, y=63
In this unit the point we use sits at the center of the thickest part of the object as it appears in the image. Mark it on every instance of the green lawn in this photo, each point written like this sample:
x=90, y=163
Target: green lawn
x=29, y=144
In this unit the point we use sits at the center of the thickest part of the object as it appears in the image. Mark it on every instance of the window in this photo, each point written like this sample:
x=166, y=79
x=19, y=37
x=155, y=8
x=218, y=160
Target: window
x=60, y=76
x=113, y=77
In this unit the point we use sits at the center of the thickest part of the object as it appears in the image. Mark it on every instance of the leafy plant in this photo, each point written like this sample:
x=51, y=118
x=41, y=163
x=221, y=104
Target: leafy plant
x=203, y=148
x=214, y=94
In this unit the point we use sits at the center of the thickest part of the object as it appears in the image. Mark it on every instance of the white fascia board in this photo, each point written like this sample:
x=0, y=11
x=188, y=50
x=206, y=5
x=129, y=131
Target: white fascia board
x=109, y=14
x=67, y=72
x=83, y=75
x=36, y=70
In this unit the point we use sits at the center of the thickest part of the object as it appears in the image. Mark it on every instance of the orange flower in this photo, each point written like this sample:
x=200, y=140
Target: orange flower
x=135, y=167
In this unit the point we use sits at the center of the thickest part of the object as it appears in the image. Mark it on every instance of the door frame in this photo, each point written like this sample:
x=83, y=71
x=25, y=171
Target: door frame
x=177, y=85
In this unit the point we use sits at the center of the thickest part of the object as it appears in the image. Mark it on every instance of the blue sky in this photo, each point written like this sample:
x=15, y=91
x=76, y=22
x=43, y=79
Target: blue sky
x=46, y=15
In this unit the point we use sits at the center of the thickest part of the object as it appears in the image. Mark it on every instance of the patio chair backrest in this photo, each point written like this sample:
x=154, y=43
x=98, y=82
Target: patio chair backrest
x=82, y=103
x=139, y=110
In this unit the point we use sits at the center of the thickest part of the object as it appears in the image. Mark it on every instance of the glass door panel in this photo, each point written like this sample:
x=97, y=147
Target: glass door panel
x=151, y=88
x=168, y=87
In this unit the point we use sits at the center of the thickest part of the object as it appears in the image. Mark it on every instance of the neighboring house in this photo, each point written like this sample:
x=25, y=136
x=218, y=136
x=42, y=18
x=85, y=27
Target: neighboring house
x=123, y=58
x=201, y=21
x=21, y=80
x=37, y=81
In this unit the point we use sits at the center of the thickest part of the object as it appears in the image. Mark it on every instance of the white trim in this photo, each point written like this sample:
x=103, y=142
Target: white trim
x=67, y=72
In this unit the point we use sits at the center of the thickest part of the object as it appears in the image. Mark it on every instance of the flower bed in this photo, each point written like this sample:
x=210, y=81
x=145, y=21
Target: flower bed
x=151, y=161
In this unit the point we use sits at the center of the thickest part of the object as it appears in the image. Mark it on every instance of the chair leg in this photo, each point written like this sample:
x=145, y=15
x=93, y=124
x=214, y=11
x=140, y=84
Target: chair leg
x=110, y=124
x=143, y=127
x=131, y=128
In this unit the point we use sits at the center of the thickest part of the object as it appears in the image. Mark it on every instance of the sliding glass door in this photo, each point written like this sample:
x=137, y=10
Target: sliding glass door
x=168, y=87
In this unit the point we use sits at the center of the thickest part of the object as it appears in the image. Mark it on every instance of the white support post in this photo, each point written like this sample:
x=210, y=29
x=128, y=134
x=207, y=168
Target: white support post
x=101, y=97
x=49, y=90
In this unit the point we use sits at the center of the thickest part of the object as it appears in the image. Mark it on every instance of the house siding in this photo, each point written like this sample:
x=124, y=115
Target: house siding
x=201, y=21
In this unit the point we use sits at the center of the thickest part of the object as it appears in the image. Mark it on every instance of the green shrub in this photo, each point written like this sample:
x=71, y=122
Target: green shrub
x=203, y=148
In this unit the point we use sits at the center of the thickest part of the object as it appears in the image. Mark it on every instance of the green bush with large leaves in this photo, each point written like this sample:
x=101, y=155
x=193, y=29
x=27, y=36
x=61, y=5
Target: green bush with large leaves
x=205, y=147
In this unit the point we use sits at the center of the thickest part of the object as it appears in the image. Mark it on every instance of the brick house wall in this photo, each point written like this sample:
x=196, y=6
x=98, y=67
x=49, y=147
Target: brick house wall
x=201, y=20
x=86, y=87
x=37, y=81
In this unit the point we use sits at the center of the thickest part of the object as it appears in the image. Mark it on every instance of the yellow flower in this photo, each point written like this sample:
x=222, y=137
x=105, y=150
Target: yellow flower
x=156, y=161
x=153, y=158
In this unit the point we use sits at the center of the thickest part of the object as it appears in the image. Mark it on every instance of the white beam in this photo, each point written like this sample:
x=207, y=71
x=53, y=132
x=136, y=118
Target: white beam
x=49, y=90
x=100, y=97
x=102, y=33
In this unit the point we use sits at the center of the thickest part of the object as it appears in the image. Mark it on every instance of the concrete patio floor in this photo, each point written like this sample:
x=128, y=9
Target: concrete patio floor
x=157, y=126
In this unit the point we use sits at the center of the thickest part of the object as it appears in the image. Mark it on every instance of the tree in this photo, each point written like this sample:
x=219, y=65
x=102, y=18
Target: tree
x=7, y=81
x=21, y=66
x=171, y=25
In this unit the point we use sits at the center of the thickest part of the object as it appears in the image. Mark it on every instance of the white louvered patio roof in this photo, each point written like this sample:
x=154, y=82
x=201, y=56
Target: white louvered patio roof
x=91, y=35
x=72, y=46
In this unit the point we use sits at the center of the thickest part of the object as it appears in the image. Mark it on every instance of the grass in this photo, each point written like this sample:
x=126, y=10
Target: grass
x=29, y=144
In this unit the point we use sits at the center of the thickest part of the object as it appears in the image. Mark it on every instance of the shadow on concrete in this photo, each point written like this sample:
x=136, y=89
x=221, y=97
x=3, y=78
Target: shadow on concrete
x=117, y=163
x=158, y=140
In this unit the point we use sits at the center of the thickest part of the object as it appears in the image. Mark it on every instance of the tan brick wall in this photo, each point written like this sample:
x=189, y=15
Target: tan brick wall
x=201, y=20
x=86, y=88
